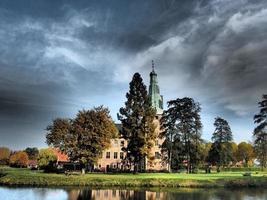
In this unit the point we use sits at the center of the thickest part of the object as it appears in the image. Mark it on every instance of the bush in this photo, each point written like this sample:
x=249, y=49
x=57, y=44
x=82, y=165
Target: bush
x=47, y=160
x=2, y=173
x=241, y=169
x=19, y=159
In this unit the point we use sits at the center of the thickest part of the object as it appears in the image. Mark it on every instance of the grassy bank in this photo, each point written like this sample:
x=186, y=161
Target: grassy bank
x=26, y=177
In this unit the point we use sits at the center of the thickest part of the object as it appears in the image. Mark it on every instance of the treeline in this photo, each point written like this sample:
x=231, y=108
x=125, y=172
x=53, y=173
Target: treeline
x=184, y=147
x=31, y=157
x=17, y=158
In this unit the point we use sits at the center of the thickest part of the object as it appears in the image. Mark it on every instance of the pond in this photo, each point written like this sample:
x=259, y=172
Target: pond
x=7, y=193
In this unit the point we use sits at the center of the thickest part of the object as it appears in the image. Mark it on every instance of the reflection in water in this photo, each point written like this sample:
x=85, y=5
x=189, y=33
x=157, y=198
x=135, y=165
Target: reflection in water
x=125, y=194
x=178, y=194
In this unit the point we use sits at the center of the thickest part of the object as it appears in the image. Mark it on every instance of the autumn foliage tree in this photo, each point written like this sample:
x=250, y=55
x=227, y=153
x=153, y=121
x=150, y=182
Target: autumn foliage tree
x=19, y=159
x=245, y=152
x=60, y=134
x=84, y=138
x=4, y=155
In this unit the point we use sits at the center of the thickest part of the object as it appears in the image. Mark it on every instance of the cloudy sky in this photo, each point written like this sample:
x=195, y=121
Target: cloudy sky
x=57, y=57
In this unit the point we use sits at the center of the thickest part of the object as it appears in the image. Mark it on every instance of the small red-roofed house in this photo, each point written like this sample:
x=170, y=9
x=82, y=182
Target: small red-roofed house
x=61, y=157
x=33, y=164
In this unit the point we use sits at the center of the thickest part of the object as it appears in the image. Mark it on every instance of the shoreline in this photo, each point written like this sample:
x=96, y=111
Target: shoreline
x=28, y=178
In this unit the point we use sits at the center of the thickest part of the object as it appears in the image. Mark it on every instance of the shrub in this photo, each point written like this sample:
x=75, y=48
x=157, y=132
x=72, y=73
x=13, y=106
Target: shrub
x=241, y=169
x=19, y=159
x=47, y=160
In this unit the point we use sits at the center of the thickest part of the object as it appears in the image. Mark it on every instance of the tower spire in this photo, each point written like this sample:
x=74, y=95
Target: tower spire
x=154, y=93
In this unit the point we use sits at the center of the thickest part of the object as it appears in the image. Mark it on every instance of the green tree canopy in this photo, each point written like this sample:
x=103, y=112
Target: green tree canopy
x=46, y=158
x=32, y=153
x=221, y=152
x=181, y=123
x=137, y=119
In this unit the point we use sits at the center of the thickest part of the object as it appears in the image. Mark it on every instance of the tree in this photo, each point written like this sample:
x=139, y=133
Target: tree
x=221, y=149
x=19, y=159
x=234, y=152
x=60, y=134
x=93, y=131
x=84, y=138
x=204, y=153
x=260, y=132
x=46, y=159
x=245, y=152
x=32, y=153
x=181, y=123
x=4, y=155
x=138, y=128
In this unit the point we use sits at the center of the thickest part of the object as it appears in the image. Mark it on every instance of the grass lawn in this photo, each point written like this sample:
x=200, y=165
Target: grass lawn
x=12, y=176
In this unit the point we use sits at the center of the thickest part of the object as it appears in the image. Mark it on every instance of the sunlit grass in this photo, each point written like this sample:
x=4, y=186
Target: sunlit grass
x=15, y=176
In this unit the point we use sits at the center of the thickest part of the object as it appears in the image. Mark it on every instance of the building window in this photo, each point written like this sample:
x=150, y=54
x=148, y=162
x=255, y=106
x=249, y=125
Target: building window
x=99, y=166
x=157, y=155
x=115, y=155
x=122, y=143
x=115, y=143
x=157, y=143
x=108, y=155
x=121, y=155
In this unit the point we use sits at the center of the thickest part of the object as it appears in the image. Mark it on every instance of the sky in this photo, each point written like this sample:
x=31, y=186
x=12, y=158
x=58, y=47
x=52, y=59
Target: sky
x=58, y=57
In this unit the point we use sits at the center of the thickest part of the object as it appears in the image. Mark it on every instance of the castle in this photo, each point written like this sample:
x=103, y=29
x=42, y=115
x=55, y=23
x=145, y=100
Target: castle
x=112, y=158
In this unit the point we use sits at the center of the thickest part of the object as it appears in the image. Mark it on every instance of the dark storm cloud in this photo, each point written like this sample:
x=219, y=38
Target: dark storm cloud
x=60, y=56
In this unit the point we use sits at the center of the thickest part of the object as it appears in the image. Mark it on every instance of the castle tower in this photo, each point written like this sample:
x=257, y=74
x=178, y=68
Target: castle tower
x=154, y=93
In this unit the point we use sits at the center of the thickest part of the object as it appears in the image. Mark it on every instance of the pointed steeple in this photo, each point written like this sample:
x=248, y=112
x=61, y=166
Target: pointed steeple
x=154, y=92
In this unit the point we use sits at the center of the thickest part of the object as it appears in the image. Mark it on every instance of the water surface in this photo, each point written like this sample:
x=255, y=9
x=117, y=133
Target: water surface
x=7, y=193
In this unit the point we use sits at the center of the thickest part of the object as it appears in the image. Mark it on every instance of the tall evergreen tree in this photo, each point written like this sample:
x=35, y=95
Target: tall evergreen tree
x=181, y=124
x=138, y=128
x=260, y=132
x=221, y=149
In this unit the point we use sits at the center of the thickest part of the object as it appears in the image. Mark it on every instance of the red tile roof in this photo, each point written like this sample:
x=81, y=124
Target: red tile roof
x=61, y=157
x=32, y=163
